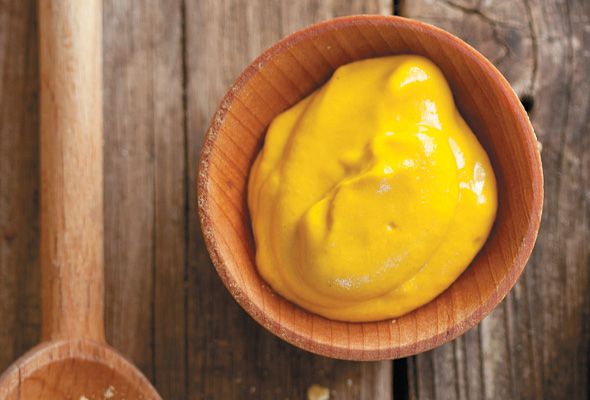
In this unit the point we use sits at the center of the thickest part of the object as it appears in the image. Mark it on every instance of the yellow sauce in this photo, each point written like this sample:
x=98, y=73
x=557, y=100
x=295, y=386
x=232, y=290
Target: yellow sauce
x=371, y=195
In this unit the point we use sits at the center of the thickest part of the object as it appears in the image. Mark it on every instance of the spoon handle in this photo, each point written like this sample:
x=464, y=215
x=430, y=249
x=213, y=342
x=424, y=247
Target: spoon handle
x=72, y=259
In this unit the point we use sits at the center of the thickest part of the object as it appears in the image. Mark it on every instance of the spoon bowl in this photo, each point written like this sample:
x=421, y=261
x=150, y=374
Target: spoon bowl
x=74, y=369
x=292, y=69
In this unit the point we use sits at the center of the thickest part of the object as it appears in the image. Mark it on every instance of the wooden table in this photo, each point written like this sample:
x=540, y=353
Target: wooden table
x=166, y=65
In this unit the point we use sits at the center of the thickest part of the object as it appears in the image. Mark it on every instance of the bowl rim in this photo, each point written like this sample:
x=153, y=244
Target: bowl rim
x=459, y=327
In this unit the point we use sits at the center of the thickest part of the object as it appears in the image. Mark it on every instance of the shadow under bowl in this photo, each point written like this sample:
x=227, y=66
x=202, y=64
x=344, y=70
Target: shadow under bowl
x=292, y=69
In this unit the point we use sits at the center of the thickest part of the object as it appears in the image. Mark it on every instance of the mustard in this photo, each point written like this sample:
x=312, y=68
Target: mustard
x=371, y=195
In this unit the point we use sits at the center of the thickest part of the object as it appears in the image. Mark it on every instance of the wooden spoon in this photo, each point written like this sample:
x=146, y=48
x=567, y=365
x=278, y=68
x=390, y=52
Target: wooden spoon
x=73, y=361
x=293, y=68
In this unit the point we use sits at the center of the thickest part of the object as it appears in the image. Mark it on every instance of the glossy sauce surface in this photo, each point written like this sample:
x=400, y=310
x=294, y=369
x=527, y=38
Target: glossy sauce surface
x=371, y=195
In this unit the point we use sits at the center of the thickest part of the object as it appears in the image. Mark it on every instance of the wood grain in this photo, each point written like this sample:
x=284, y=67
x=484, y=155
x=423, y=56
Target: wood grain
x=74, y=370
x=512, y=350
x=537, y=344
x=72, y=255
x=233, y=357
x=73, y=362
x=20, y=286
x=145, y=188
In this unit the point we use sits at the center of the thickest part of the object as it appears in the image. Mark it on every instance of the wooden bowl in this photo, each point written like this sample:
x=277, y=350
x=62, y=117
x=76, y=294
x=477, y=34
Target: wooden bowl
x=289, y=71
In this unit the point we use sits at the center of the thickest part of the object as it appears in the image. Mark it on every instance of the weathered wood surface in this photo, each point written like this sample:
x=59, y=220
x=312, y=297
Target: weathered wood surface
x=20, y=284
x=536, y=344
x=231, y=356
x=145, y=190
x=167, y=64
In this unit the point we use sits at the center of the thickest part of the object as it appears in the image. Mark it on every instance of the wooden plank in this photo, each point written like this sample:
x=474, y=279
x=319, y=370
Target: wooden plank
x=230, y=356
x=19, y=165
x=145, y=188
x=170, y=200
x=536, y=344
